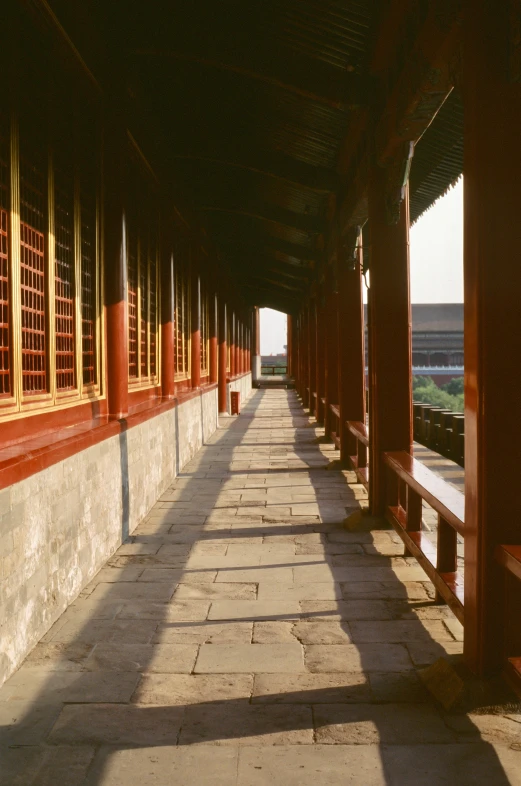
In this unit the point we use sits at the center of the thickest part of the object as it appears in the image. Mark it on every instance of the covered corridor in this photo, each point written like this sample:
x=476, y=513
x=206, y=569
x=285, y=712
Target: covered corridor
x=244, y=635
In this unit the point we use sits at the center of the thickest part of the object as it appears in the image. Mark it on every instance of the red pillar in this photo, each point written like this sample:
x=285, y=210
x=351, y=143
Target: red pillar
x=312, y=355
x=289, y=329
x=223, y=352
x=305, y=357
x=390, y=310
x=238, y=346
x=232, y=320
x=196, y=324
x=167, y=309
x=492, y=275
x=321, y=358
x=213, y=338
x=331, y=366
x=115, y=238
x=351, y=350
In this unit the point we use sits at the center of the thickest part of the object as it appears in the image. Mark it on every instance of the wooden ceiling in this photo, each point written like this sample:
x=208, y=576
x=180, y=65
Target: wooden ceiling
x=253, y=102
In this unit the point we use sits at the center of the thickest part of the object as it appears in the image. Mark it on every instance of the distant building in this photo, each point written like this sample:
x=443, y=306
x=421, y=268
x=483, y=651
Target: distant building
x=437, y=340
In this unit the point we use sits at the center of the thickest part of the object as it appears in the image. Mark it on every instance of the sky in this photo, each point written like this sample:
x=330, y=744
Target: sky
x=436, y=265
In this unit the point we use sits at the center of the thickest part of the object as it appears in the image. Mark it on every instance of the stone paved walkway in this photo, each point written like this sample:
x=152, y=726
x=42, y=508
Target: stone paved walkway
x=244, y=636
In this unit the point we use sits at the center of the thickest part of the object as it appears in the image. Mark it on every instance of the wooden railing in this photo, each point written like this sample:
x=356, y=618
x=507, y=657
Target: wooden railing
x=358, y=452
x=510, y=558
x=408, y=483
x=440, y=430
x=273, y=371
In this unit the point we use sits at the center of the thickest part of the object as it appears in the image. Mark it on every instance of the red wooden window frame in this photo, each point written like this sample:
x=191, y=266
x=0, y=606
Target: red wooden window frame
x=182, y=310
x=33, y=215
x=204, y=328
x=144, y=304
x=5, y=316
x=133, y=353
x=89, y=294
x=64, y=280
x=154, y=294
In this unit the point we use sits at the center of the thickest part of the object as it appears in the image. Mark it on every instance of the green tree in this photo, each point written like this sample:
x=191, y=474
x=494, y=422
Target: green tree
x=427, y=392
x=454, y=387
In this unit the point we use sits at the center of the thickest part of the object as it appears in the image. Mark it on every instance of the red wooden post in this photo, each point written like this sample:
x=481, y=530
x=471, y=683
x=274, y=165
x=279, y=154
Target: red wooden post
x=390, y=424
x=196, y=323
x=238, y=343
x=312, y=355
x=289, y=344
x=321, y=356
x=214, y=317
x=256, y=359
x=305, y=357
x=492, y=276
x=223, y=357
x=232, y=323
x=115, y=238
x=331, y=360
x=167, y=308
x=350, y=345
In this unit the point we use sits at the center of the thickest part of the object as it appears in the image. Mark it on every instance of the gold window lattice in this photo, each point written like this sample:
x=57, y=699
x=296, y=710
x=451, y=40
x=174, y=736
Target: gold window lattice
x=205, y=328
x=64, y=279
x=89, y=284
x=5, y=317
x=33, y=274
x=182, y=312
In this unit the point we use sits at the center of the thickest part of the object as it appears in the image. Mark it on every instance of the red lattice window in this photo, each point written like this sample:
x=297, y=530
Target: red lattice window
x=143, y=316
x=64, y=281
x=204, y=328
x=88, y=286
x=228, y=343
x=33, y=179
x=153, y=303
x=132, y=306
x=5, y=372
x=182, y=321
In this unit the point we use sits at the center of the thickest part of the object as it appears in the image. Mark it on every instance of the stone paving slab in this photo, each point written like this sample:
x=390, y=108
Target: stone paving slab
x=242, y=636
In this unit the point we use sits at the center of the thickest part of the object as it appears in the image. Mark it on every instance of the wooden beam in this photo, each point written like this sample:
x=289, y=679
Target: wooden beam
x=424, y=83
x=246, y=242
x=336, y=89
x=276, y=165
x=272, y=214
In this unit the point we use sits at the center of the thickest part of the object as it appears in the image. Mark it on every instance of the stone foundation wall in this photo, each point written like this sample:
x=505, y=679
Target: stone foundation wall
x=58, y=527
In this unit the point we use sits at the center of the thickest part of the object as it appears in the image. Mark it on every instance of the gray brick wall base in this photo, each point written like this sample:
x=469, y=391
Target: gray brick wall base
x=59, y=527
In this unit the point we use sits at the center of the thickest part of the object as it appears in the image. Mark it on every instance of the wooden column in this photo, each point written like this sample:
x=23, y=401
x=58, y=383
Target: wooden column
x=223, y=353
x=492, y=275
x=351, y=349
x=390, y=309
x=167, y=309
x=195, y=323
x=115, y=238
x=214, y=318
x=289, y=344
x=238, y=346
x=331, y=366
x=301, y=353
x=231, y=318
x=312, y=355
x=305, y=357
x=294, y=345
x=321, y=357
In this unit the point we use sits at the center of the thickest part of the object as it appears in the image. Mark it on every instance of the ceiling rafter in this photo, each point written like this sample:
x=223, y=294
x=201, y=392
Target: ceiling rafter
x=274, y=165
x=340, y=90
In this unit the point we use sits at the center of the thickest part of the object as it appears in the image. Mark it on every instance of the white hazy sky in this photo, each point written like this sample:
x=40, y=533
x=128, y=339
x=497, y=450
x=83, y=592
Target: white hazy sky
x=436, y=265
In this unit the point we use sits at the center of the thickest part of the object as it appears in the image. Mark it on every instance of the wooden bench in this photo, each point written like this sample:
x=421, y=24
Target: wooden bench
x=335, y=430
x=408, y=483
x=358, y=456
x=510, y=558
